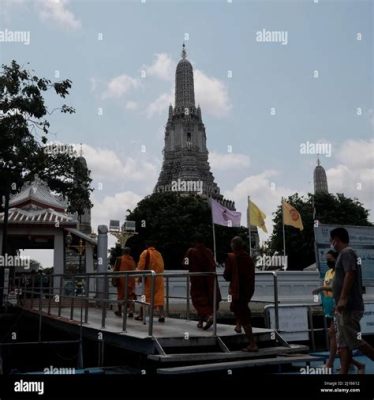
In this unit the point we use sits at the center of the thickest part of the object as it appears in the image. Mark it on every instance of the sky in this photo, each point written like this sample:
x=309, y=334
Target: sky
x=261, y=100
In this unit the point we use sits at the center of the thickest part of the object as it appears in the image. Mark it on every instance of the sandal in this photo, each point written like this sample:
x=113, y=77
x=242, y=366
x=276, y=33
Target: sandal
x=238, y=329
x=200, y=324
x=138, y=318
x=209, y=323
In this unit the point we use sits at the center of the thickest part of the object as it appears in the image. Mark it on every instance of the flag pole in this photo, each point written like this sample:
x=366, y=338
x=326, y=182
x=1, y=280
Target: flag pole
x=284, y=236
x=249, y=225
x=214, y=232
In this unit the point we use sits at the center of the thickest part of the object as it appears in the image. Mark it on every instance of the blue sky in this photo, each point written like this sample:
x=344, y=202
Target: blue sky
x=137, y=36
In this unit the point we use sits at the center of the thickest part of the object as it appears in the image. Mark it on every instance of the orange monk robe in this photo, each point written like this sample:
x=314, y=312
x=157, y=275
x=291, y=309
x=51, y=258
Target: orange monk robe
x=155, y=262
x=126, y=263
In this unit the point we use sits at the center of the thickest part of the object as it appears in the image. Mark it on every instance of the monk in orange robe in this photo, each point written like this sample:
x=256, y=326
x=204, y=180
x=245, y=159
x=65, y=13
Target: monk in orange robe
x=240, y=272
x=125, y=263
x=151, y=259
x=200, y=259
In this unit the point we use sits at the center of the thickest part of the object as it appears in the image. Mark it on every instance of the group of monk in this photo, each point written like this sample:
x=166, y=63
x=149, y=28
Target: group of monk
x=150, y=259
x=239, y=271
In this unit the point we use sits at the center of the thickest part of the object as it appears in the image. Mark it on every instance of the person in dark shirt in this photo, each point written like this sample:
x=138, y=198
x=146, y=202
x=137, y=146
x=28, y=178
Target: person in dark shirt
x=347, y=292
x=240, y=271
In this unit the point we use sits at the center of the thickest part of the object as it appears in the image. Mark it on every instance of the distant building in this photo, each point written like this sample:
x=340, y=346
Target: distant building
x=320, y=179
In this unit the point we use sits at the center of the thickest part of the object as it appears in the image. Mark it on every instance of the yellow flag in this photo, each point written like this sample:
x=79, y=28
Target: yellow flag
x=291, y=216
x=255, y=216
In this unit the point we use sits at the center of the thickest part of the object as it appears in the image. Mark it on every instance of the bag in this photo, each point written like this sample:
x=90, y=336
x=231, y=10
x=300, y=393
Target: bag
x=146, y=265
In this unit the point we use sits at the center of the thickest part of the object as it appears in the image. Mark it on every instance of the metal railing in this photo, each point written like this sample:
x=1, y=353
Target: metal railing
x=56, y=292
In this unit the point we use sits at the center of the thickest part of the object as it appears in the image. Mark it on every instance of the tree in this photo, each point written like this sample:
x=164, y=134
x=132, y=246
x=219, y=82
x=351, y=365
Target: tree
x=172, y=219
x=327, y=209
x=24, y=128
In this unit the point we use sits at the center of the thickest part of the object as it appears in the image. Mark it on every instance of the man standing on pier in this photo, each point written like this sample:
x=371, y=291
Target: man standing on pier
x=200, y=259
x=240, y=271
x=347, y=291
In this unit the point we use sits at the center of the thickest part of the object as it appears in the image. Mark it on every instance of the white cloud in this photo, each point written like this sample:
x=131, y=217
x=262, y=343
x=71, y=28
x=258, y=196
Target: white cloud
x=227, y=161
x=119, y=86
x=113, y=207
x=357, y=153
x=212, y=95
x=160, y=105
x=56, y=11
x=106, y=166
x=131, y=105
x=354, y=175
x=163, y=67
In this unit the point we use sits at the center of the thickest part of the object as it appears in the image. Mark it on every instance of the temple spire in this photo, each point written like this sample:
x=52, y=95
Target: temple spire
x=184, y=53
x=184, y=84
x=320, y=179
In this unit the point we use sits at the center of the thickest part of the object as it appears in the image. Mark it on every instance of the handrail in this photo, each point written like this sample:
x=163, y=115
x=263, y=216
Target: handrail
x=103, y=296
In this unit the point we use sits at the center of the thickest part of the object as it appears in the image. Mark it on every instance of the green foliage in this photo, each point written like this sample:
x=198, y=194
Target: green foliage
x=172, y=219
x=329, y=209
x=24, y=129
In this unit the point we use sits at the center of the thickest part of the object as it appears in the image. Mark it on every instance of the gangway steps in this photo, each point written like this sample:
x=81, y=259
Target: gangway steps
x=262, y=362
x=232, y=355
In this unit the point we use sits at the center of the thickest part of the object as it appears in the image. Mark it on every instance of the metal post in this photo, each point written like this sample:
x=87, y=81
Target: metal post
x=167, y=296
x=72, y=308
x=60, y=295
x=102, y=257
x=80, y=348
x=276, y=309
x=32, y=292
x=152, y=305
x=49, y=296
x=215, y=305
x=87, y=298
x=310, y=317
x=103, y=303
x=188, y=297
x=126, y=295
x=40, y=311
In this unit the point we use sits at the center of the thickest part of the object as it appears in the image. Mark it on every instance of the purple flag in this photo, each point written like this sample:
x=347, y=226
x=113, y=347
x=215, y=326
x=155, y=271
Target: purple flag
x=223, y=216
